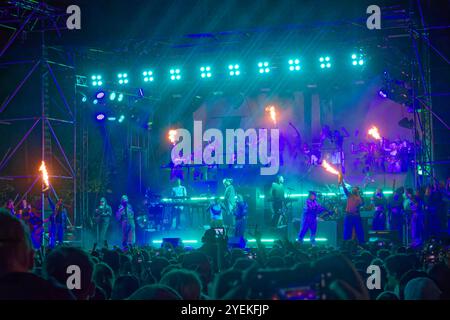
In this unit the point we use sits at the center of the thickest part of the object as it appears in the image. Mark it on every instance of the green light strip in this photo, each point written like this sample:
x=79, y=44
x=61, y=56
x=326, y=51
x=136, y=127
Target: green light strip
x=250, y=240
x=262, y=240
x=273, y=240
x=294, y=195
x=184, y=241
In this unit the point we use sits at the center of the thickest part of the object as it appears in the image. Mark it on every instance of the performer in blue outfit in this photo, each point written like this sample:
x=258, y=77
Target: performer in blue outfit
x=311, y=210
x=380, y=203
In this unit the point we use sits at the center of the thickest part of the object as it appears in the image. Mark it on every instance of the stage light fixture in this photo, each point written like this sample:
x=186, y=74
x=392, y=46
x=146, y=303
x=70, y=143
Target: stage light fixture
x=121, y=118
x=357, y=59
x=84, y=99
x=175, y=74
x=97, y=80
x=148, y=76
x=100, y=117
x=325, y=62
x=123, y=78
x=294, y=65
x=112, y=96
x=100, y=95
x=264, y=67
x=120, y=98
x=234, y=70
x=95, y=101
x=112, y=119
x=206, y=72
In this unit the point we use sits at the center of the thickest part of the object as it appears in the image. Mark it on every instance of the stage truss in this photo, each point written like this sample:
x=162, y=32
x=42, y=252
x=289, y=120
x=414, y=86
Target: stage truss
x=28, y=16
x=53, y=66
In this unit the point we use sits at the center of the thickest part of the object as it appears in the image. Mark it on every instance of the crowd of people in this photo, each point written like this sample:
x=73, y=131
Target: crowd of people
x=287, y=270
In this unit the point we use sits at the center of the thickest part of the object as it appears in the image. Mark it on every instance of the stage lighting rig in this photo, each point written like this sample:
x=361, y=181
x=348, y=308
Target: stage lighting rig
x=123, y=78
x=325, y=62
x=96, y=80
x=357, y=59
x=206, y=72
x=294, y=65
x=264, y=67
x=175, y=74
x=234, y=70
x=148, y=76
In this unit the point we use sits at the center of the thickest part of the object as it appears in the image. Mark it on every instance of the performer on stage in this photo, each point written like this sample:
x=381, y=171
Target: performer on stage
x=180, y=192
x=311, y=210
x=414, y=208
x=103, y=215
x=125, y=215
x=240, y=216
x=379, y=202
x=396, y=213
x=277, y=194
x=229, y=201
x=215, y=210
x=58, y=220
x=352, y=218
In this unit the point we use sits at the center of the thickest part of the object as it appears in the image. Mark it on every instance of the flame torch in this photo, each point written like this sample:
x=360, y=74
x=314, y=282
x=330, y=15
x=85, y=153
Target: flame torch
x=373, y=132
x=44, y=171
x=273, y=113
x=329, y=168
x=172, y=135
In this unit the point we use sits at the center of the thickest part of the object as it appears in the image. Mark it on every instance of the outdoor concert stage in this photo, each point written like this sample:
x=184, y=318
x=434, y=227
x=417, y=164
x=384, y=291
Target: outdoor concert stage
x=117, y=115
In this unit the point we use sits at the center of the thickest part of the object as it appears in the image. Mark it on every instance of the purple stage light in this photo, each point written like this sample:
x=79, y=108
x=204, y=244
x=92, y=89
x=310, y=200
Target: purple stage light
x=100, y=117
x=100, y=95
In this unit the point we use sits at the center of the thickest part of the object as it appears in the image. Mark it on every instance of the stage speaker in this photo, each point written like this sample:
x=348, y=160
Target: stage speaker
x=175, y=242
x=236, y=242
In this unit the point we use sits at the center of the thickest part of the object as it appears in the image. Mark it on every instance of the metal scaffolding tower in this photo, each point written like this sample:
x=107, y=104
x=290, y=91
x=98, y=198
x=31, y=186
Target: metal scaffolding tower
x=53, y=113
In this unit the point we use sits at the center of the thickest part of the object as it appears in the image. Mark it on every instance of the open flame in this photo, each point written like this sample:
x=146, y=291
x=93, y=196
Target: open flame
x=44, y=171
x=272, y=113
x=329, y=168
x=374, y=133
x=172, y=135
